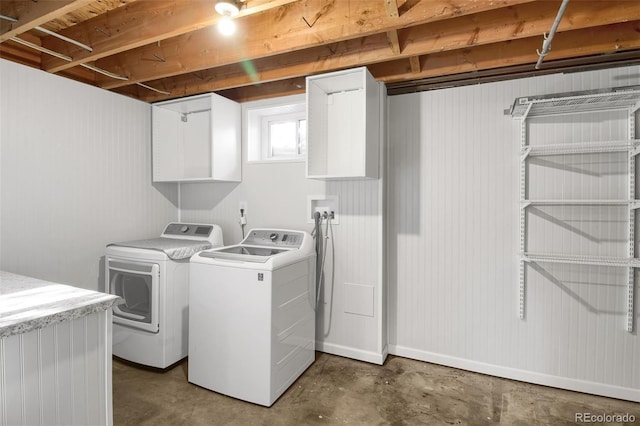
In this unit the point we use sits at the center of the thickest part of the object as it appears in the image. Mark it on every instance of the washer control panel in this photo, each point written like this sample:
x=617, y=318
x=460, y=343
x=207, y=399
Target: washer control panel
x=274, y=237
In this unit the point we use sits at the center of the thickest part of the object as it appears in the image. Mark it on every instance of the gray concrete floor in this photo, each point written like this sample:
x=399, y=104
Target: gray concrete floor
x=337, y=391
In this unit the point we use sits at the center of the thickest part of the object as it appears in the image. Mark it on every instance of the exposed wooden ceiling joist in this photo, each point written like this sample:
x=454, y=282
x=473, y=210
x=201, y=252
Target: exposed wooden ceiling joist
x=300, y=25
x=139, y=24
x=419, y=40
x=583, y=42
x=392, y=35
x=173, y=45
x=414, y=63
x=30, y=14
x=573, y=64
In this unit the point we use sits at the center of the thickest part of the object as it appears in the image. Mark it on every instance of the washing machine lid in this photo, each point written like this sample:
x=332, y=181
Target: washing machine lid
x=244, y=253
x=175, y=248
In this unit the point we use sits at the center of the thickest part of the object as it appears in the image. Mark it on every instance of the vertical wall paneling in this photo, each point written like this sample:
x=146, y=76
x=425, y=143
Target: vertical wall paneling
x=58, y=375
x=106, y=336
x=75, y=175
x=277, y=196
x=453, y=238
x=381, y=305
x=12, y=373
x=631, y=216
x=3, y=395
x=2, y=125
x=47, y=363
x=64, y=372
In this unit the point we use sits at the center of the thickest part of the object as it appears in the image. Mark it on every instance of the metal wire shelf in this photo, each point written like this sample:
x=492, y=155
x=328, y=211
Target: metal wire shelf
x=567, y=103
x=581, y=260
x=618, y=98
x=581, y=148
x=526, y=203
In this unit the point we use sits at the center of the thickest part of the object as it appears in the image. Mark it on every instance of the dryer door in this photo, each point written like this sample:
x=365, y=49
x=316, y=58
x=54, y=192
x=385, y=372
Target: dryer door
x=138, y=283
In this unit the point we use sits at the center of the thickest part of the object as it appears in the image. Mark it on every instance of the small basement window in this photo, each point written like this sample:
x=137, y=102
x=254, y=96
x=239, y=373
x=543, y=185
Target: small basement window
x=287, y=137
x=276, y=129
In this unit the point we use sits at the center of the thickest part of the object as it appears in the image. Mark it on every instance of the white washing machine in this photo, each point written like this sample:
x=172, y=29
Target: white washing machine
x=251, y=315
x=152, y=276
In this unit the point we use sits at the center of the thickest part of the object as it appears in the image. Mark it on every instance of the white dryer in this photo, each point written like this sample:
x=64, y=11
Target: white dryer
x=251, y=315
x=152, y=276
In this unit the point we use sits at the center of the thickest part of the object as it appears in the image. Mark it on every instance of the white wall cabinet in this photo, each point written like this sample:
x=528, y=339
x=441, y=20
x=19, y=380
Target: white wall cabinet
x=344, y=125
x=598, y=186
x=196, y=139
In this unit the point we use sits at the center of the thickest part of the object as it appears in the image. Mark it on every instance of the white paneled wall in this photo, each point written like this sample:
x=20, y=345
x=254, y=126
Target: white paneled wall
x=453, y=215
x=276, y=196
x=351, y=314
x=58, y=375
x=75, y=175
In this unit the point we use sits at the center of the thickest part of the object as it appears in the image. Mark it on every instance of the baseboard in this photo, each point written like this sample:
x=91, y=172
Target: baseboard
x=353, y=353
x=601, y=389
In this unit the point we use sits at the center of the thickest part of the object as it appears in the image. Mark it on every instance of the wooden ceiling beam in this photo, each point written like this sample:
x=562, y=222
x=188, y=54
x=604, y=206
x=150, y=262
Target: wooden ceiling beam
x=292, y=86
x=15, y=52
x=392, y=35
x=414, y=62
x=253, y=93
x=570, y=44
x=394, y=43
x=372, y=49
x=299, y=25
x=584, y=42
x=138, y=24
x=345, y=54
x=392, y=8
x=31, y=14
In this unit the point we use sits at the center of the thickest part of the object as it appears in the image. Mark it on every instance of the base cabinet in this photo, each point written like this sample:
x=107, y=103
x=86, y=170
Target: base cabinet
x=58, y=375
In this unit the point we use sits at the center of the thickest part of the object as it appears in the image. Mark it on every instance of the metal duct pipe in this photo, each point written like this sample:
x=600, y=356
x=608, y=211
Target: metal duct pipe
x=546, y=45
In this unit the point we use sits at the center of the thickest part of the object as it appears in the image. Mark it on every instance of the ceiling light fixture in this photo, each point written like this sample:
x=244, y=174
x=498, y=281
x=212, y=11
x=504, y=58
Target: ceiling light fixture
x=228, y=9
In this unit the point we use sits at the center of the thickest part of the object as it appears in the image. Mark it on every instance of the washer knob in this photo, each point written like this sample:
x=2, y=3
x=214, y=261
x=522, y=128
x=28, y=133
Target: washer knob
x=273, y=236
x=184, y=228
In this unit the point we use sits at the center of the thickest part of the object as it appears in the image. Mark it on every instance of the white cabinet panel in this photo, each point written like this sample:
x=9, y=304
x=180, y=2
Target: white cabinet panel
x=196, y=139
x=344, y=125
x=58, y=375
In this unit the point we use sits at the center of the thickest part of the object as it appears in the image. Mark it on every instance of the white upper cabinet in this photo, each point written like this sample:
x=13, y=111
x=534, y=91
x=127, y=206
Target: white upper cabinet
x=344, y=122
x=196, y=139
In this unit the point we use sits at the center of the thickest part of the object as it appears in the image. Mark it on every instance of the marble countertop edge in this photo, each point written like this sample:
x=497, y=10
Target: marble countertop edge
x=28, y=304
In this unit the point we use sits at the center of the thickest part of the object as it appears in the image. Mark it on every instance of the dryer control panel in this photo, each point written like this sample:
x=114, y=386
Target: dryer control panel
x=188, y=229
x=274, y=237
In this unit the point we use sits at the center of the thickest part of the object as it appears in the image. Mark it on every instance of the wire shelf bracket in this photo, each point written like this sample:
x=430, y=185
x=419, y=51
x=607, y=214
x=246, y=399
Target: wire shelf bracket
x=618, y=98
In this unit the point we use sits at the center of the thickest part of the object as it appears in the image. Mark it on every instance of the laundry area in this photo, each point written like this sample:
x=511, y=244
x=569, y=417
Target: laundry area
x=349, y=245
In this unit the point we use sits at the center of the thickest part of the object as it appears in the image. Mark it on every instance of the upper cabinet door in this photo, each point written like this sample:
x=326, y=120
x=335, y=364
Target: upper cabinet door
x=196, y=139
x=345, y=125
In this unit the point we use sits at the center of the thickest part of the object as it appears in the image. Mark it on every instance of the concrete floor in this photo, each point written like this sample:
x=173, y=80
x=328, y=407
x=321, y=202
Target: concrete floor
x=337, y=390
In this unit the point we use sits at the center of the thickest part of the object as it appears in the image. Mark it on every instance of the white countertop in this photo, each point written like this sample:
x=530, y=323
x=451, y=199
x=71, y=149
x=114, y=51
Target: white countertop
x=28, y=304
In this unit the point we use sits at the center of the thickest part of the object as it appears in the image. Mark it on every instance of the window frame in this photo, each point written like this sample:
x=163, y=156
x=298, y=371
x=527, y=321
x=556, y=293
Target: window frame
x=266, y=142
x=257, y=117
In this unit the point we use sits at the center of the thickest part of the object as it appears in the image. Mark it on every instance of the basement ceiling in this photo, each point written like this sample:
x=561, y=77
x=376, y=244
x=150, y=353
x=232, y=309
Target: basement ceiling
x=154, y=50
